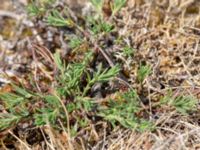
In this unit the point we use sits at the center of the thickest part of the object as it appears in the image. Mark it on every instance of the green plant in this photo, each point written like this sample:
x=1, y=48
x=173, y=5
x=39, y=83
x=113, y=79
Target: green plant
x=75, y=42
x=11, y=100
x=34, y=10
x=101, y=76
x=56, y=19
x=99, y=26
x=106, y=27
x=38, y=7
x=117, y=5
x=128, y=51
x=123, y=111
x=85, y=103
x=8, y=120
x=183, y=104
x=70, y=77
x=143, y=72
x=98, y=4
x=45, y=116
x=16, y=106
x=51, y=106
x=14, y=100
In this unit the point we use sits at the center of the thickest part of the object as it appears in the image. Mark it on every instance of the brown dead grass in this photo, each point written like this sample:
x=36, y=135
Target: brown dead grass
x=165, y=34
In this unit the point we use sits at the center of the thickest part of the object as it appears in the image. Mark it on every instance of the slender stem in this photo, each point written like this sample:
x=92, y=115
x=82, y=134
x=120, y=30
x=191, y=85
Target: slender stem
x=68, y=123
x=87, y=87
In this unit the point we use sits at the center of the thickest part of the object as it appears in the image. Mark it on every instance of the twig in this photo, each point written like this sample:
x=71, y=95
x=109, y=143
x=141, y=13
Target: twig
x=45, y=139
x=27, y=147
x=10, y=14
x=35, y=68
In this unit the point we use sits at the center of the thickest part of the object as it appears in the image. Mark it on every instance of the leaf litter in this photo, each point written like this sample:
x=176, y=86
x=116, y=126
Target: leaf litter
x=163, y=68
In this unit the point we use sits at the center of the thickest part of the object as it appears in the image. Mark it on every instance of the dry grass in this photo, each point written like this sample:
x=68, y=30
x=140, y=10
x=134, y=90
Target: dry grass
x=165, y=35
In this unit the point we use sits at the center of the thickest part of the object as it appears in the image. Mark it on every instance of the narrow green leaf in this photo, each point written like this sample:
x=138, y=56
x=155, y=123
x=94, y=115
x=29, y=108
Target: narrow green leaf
x=22, y=91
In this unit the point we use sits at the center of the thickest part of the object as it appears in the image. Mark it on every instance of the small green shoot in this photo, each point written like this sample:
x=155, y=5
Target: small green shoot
x=98, y=4
x=71, y=107
x=106, y=27
x=99, y=26
x=117, y=5
x=71, y=77
x=38, y=7
x=75, y=42
x=183, y=104
x=56, y=19
x=59, y=63
x=85, y=103
x=12, y=100
x=7, y=120
x=128, y=51
x=15, y=103
x=34, y=10
x=46, y=115
x=143, y=72
x=22, y=91
x=102, y=75
x=52, y=100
